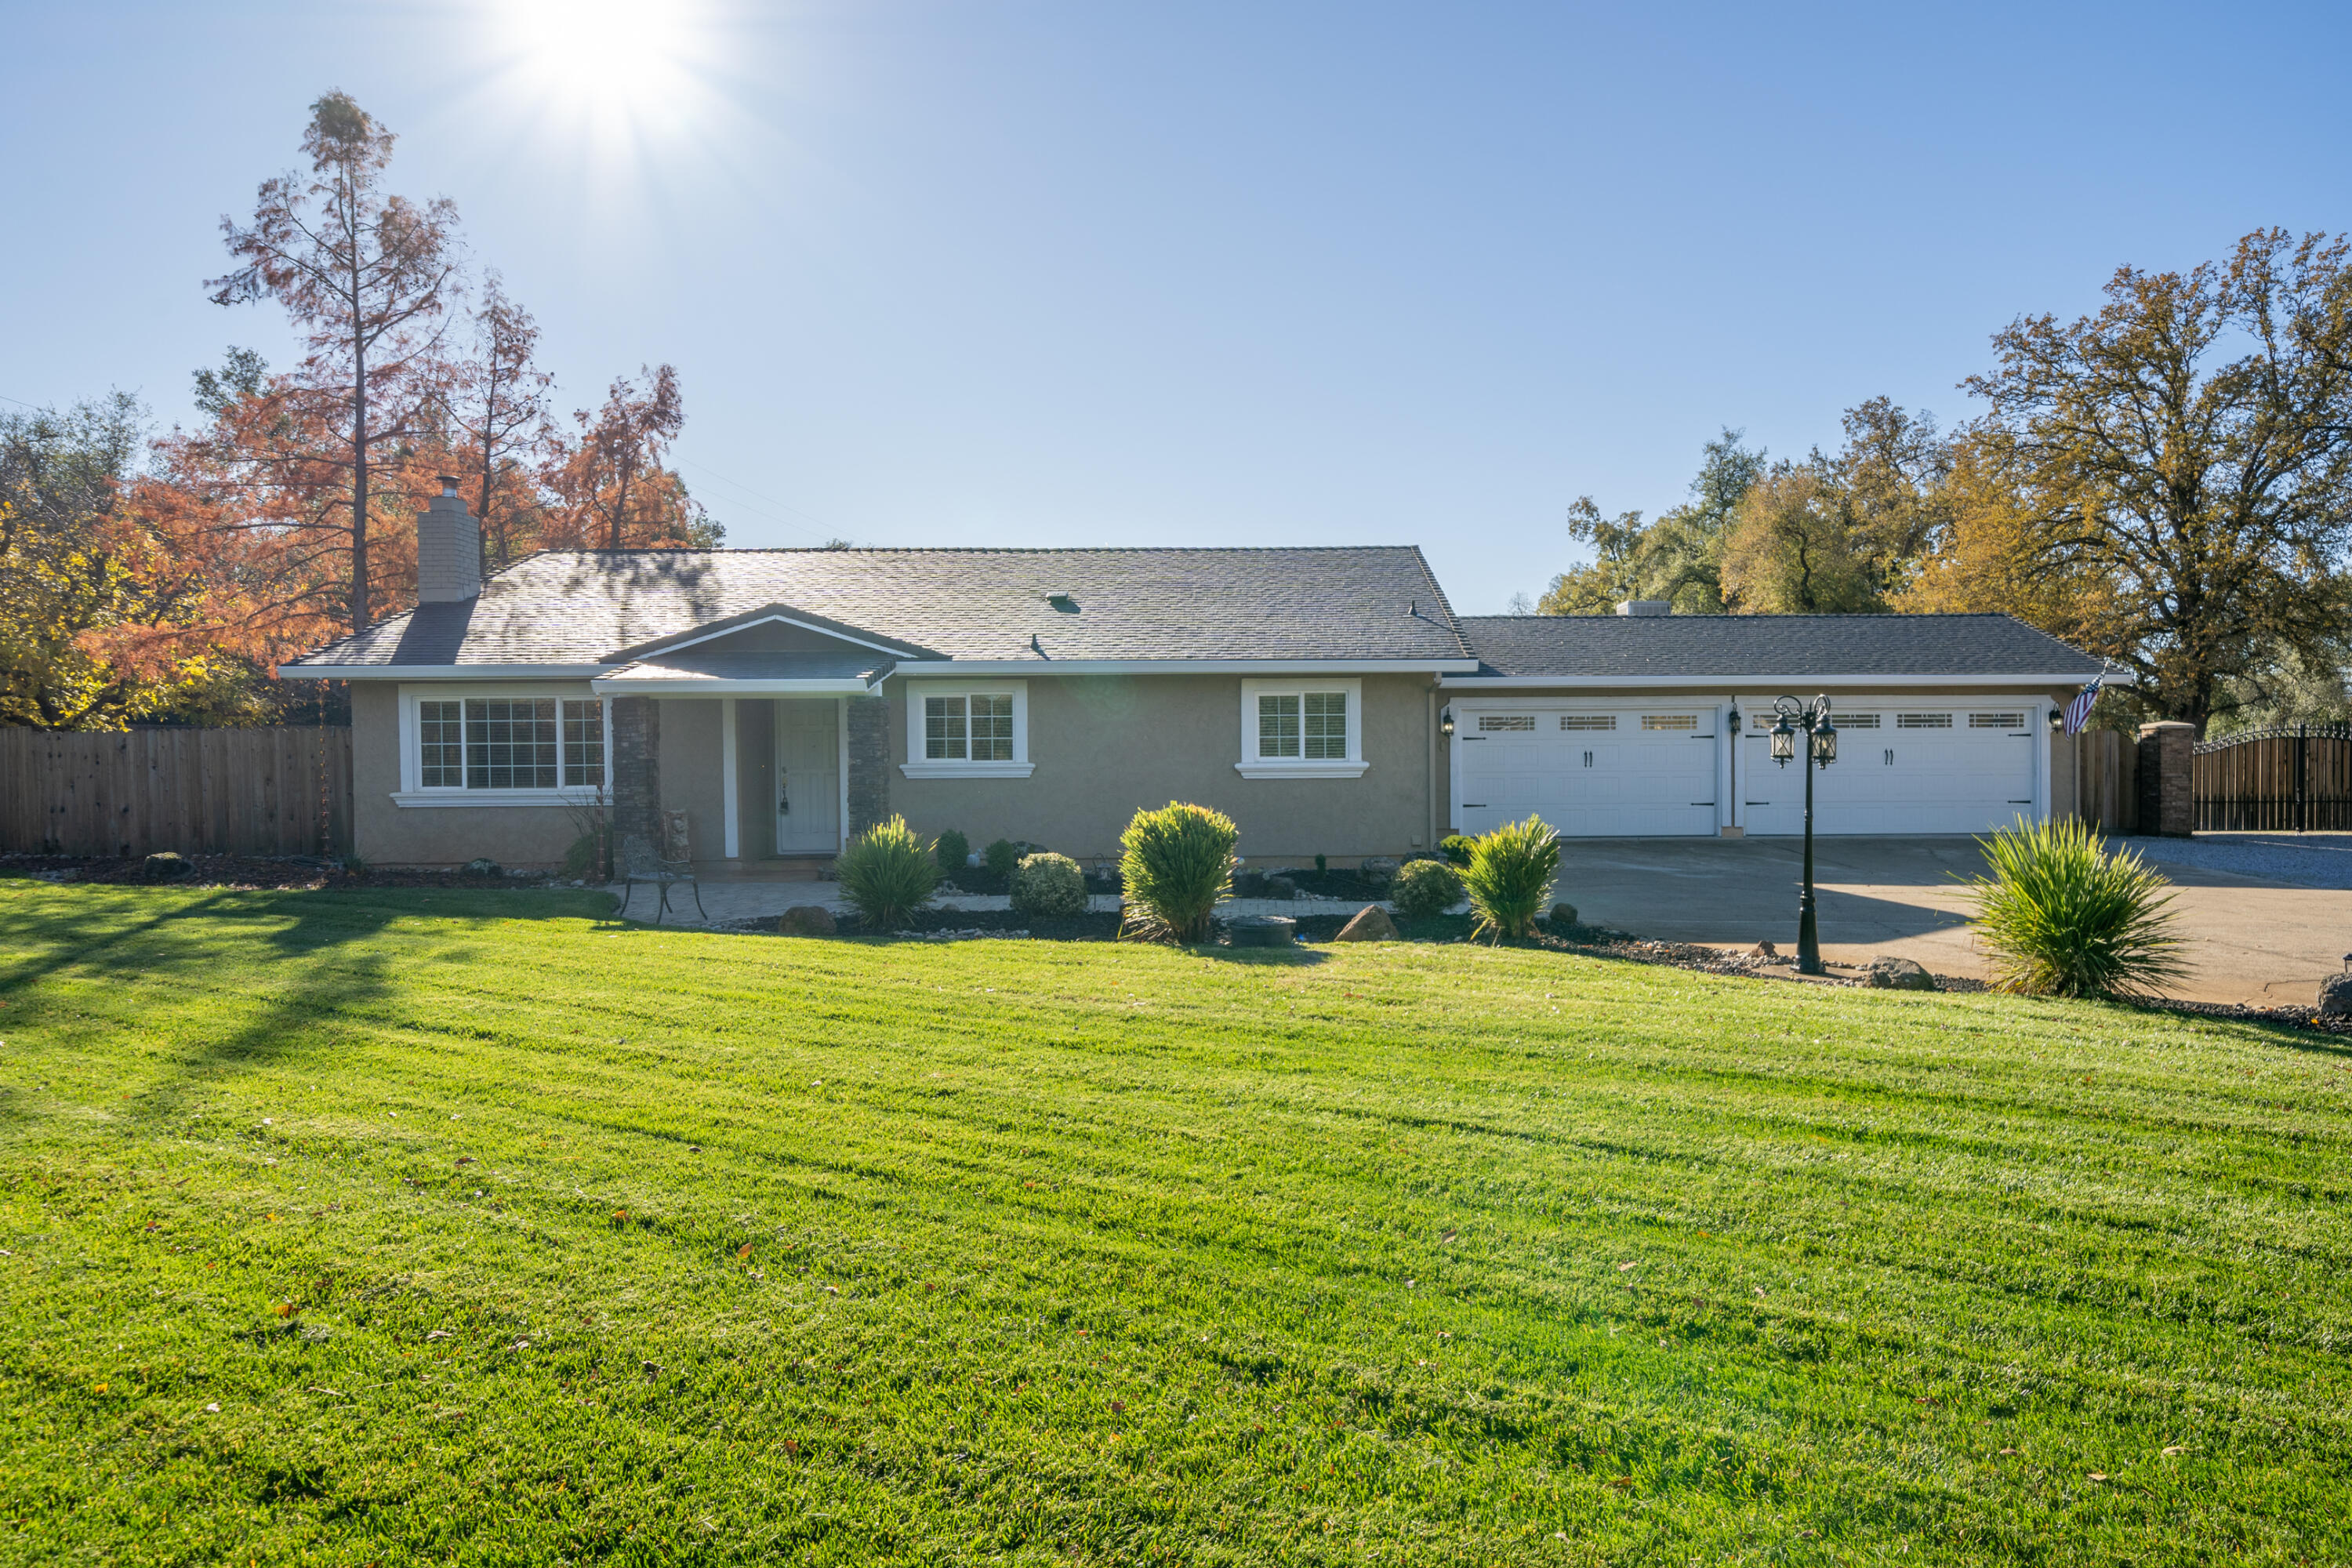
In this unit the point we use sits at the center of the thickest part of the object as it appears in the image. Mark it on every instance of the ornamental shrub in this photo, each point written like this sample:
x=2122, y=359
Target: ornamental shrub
x=1426, y=888
x=2062, y=915
x=1510, y=876
x=954, y=852
x=1455, y=848
x=887, y=874
x=1049, y=888
x=1178, y=866
x=1000, y=859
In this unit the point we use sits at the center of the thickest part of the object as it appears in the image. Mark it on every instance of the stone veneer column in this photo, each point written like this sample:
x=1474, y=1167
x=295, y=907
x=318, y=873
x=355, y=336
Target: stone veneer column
x=636, y=770
x=2168, y=800
x=869, y=763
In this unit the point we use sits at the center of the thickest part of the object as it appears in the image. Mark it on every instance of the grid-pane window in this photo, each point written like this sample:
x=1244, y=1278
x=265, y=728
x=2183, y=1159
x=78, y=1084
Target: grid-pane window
x=1278, y=725
x=1996, y=721
x=1669, y=720
x=943, y=728
x=1327, y=725
x=1500, y=724
x=511, y=742
x=440, y=729
x=583, y=743
x=1588, y=721
x=991, y=729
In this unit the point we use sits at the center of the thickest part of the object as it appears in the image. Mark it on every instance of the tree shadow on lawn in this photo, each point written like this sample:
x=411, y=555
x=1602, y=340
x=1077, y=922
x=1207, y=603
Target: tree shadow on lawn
x=312, y=929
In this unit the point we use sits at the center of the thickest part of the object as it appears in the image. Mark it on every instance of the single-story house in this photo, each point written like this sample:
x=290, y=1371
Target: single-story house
x=1328, y=700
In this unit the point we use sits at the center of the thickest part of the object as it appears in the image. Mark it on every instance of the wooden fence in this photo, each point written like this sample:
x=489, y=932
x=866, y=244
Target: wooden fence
x=2106, y=780
x=285, y=791
x=2293, y=779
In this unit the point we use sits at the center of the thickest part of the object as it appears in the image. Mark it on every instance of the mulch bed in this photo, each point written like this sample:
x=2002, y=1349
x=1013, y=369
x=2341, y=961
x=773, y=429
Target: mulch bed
x=289, y=872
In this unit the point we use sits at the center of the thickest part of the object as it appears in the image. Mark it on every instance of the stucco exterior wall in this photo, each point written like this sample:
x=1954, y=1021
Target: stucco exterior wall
x=387, y=834
x=1105, y=745
x=690, y=777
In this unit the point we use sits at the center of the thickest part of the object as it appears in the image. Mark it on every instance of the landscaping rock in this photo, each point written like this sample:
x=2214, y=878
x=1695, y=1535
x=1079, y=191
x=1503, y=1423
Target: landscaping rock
x=1262, y=930
x=1279, y=887
x=166, y=865
x=483, y=866
x=1378, y=870
x=1563, y=915
x=2335, y=996
x=1372, y=924
x=1763, y=950
x=1891, y=973
x=1247, y=885
x=806, y=920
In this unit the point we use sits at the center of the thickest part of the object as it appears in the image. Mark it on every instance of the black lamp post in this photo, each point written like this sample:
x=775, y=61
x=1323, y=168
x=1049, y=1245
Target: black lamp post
x=1813, y=721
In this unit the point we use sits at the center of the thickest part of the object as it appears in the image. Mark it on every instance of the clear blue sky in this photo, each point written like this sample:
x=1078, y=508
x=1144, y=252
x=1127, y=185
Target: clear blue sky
x=996, y=272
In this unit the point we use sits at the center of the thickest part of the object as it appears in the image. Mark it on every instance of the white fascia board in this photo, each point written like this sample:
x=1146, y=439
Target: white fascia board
x=935, y=668
x=643, y=686
x=672, y=645
x=441, y=671
x=1711, y=683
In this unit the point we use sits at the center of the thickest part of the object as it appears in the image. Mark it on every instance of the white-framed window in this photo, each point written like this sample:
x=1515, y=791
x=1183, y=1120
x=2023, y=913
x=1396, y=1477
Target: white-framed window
x=1923, y=721
x=967, y=730
x=1497, y=723
x=1303, y=728
x=1669, y=720
x=501, y=745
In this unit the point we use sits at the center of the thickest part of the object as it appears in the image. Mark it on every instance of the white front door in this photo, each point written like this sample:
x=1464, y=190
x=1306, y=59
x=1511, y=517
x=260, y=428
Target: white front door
x=1903, y=766
x=808, y=775
x=1589, y=771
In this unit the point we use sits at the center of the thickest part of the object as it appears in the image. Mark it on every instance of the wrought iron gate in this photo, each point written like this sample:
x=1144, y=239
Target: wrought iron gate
x=2292, y=779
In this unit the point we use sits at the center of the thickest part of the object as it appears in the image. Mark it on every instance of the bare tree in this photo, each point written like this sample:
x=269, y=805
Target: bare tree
x=499, y=404
x=366, y=278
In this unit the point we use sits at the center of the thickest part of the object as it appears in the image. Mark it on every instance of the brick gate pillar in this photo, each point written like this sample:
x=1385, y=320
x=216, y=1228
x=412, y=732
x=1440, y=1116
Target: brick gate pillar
x=869, y=763
x=637, y=771
x=2168, y=800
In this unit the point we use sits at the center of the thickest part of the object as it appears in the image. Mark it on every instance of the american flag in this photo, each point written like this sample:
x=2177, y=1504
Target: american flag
x=2078, y=711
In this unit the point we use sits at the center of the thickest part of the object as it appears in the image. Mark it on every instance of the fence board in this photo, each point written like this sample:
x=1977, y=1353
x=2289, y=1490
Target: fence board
x=280, y=791
x=2106, y=779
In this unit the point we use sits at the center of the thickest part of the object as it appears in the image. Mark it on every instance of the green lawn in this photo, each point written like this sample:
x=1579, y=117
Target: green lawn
x=391, y=1227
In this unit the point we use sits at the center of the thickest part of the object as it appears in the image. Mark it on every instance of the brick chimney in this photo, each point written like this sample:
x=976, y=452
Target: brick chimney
x=448, y=549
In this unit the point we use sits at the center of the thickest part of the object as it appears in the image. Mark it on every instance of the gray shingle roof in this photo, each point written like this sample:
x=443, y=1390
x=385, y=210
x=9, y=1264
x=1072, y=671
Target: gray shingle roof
x=581, y=608
x=1705, y=646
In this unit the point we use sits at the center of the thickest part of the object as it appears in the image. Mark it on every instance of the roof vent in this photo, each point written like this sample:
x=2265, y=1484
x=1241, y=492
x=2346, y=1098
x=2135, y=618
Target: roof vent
x=1066, y=603
x=1646, y=607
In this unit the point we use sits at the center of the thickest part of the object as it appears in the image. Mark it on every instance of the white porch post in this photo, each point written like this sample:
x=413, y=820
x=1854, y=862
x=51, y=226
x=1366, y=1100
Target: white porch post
x=727, y=781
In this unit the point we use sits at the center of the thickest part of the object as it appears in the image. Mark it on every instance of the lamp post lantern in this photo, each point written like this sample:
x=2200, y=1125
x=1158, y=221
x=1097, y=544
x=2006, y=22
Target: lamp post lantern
x=1813, y=721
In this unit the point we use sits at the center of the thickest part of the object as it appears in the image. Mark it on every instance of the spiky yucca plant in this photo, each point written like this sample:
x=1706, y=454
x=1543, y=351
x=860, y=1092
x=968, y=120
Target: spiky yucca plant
x=1509, y=877
x=1177, y=865
x=888, y=873
x=2062, y=915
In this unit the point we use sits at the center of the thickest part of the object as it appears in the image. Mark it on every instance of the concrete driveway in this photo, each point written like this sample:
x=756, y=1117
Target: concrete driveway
x=2254, y=939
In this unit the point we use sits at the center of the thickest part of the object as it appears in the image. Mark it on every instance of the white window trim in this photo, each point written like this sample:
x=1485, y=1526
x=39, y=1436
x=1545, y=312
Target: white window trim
x=411, y=793
x=918, y=766
x=1254, y=766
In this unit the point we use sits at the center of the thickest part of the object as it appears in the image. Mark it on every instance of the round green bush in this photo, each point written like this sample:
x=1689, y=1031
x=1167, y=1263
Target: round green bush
x=1177, y=864
x=1426, y=888
x=887, y=874
x=1049, y=888
x=1510, y=876
x=2062, y=916
x=1455, y=848
x=954, y=852
x=1000, y=859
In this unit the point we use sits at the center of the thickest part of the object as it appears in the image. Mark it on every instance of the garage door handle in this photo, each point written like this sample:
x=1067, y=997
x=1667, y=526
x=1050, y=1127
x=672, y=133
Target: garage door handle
x=1702, y=803
x=1474, y=805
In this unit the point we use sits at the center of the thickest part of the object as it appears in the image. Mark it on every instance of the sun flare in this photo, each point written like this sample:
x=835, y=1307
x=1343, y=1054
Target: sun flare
x=624, y=66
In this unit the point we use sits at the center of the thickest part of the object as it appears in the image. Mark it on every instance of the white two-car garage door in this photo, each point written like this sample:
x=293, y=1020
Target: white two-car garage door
x=1904, y=766
x=1588, y=773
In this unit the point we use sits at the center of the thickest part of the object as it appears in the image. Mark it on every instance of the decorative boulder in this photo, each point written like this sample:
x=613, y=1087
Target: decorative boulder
x=1563, y=915
x=165, y=866
x=483, y=866
x=1262, y=930
x=1249, y=884
x=2336, y=996
x=1279, y=887
x=806, y=920
x=1378, y=870
x=1763, y=950
x=1890, y=973
x=1372, y=924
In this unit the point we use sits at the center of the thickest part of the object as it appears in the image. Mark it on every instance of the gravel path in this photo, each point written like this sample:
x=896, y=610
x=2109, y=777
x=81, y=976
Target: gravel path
x=2308, y=859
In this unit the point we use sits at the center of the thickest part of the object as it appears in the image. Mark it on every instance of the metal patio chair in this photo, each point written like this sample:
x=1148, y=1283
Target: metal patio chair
x=641, y=863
